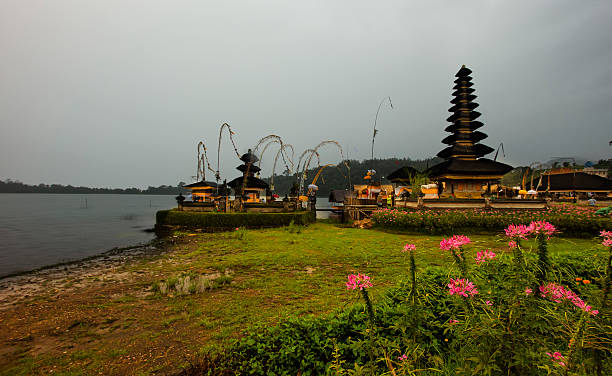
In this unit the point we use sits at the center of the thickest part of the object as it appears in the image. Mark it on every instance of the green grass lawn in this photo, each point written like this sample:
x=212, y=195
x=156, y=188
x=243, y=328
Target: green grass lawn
x=278, y=273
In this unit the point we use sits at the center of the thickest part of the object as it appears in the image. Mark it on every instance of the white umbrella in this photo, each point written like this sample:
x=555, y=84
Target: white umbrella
x=313, y=187
x=532, y=192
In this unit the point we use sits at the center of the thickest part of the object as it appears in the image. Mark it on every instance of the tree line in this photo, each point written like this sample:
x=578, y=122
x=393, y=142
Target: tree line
x=337, y=176
x=14, y=186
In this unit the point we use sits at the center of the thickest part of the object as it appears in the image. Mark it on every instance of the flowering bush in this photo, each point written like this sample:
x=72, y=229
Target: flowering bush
x=484, y=256
x=558, y=293
x=568, y=219
x=462, y=286
x=358, y=281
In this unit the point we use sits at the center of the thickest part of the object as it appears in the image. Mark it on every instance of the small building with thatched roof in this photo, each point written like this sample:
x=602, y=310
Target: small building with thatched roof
x=573, y=182
x=202, y=191
x=248, y=186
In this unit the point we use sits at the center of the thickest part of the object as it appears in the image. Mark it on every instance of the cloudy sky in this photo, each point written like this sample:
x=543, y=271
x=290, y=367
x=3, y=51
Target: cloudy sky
x=118, y=93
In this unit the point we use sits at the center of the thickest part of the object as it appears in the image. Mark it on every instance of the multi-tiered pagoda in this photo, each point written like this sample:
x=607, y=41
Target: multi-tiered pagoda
x=465, y=173
x=248, y=186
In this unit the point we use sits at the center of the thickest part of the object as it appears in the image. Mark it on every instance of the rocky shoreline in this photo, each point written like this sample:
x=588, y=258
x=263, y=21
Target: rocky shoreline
x=65, y=277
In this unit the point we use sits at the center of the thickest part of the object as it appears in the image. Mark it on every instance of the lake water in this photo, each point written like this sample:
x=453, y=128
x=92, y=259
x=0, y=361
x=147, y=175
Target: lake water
x=44, y=229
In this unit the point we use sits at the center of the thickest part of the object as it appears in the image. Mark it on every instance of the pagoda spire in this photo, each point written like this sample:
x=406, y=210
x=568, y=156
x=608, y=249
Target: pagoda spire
x=464, y=140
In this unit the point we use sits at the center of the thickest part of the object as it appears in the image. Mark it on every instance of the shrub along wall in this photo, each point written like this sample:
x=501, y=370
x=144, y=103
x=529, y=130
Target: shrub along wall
x=571, y=221
x=231, y=220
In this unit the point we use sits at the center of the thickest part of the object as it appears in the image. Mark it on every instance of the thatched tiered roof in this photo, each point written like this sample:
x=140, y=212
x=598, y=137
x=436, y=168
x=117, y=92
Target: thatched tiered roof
x=464, y=155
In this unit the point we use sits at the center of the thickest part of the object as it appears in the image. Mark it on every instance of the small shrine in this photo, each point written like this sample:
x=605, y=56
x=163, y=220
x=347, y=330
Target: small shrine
x=202, y=191
x=252, y=189
x=465, y=173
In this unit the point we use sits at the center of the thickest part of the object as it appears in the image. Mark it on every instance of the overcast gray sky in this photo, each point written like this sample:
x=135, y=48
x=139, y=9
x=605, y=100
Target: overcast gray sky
x=118, y=93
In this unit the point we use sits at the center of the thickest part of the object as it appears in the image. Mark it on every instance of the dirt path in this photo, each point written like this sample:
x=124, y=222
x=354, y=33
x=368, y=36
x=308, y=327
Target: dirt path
x=97, y=316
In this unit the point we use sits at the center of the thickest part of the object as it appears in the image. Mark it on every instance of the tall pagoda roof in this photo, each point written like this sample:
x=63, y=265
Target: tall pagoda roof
x=477, y=168
x=464, y=155
x=249, y=157
x=472, y=136
x=472, y=125
x=202, y=184
x=252, y=182
x=252, y=169
x=465, y=151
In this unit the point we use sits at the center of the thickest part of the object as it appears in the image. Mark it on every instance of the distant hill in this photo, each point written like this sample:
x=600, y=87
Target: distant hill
x=336, y=177
x=12, y=186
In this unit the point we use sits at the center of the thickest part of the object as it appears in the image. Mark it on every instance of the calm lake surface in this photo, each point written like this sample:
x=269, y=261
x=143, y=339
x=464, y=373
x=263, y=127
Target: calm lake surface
x=44, y=229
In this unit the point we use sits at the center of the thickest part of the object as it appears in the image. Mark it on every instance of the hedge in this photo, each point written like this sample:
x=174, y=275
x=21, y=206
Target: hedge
x=231, y=220
x=571, y=221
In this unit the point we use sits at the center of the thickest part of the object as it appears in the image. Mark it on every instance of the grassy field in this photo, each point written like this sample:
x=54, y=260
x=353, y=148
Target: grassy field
x=116, y=324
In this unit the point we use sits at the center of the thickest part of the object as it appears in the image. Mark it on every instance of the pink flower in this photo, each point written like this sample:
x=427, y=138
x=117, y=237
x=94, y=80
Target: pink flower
x=528, y=291
x=557, y=358
x=517, y=231
x=358, y=280
x=607, y=242
x=454, y=242
x=462, y=286
x=542, y=227
x=605, y=234
x=512, y=244
x=409, y=247
x=402, y=358
x=558, y=293
x=453, y=321
x=484, y=256
x=489, y=303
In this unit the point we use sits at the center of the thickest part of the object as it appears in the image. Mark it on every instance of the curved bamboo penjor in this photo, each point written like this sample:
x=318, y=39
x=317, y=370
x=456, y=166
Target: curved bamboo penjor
x=202, y=159
x=279, y=153
x=316, y=148
x=270, y=139
x=282, y=151
x=231, y=134
x=300, y=173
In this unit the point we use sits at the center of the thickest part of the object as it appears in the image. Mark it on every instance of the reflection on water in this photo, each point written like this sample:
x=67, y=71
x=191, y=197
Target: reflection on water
x=43, y=229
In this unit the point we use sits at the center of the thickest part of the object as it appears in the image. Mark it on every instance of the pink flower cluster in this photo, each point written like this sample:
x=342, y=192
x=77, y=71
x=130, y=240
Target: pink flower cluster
x=542, y=227
x=462, y=286
x=558, y=293
x=534, y=228
x=358, y=280
x=409, y=247
x=454, y=242
x=484, y=256
x=557, y=358
x=607, y=235
x=512, y=244
x=517, y=231
x=402, y=358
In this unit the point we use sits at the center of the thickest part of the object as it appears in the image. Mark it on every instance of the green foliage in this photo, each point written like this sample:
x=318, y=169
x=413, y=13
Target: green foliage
x=219, y=221
x=336, y=178
x=416, y=182
x=569, y=221
x=510, y=336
